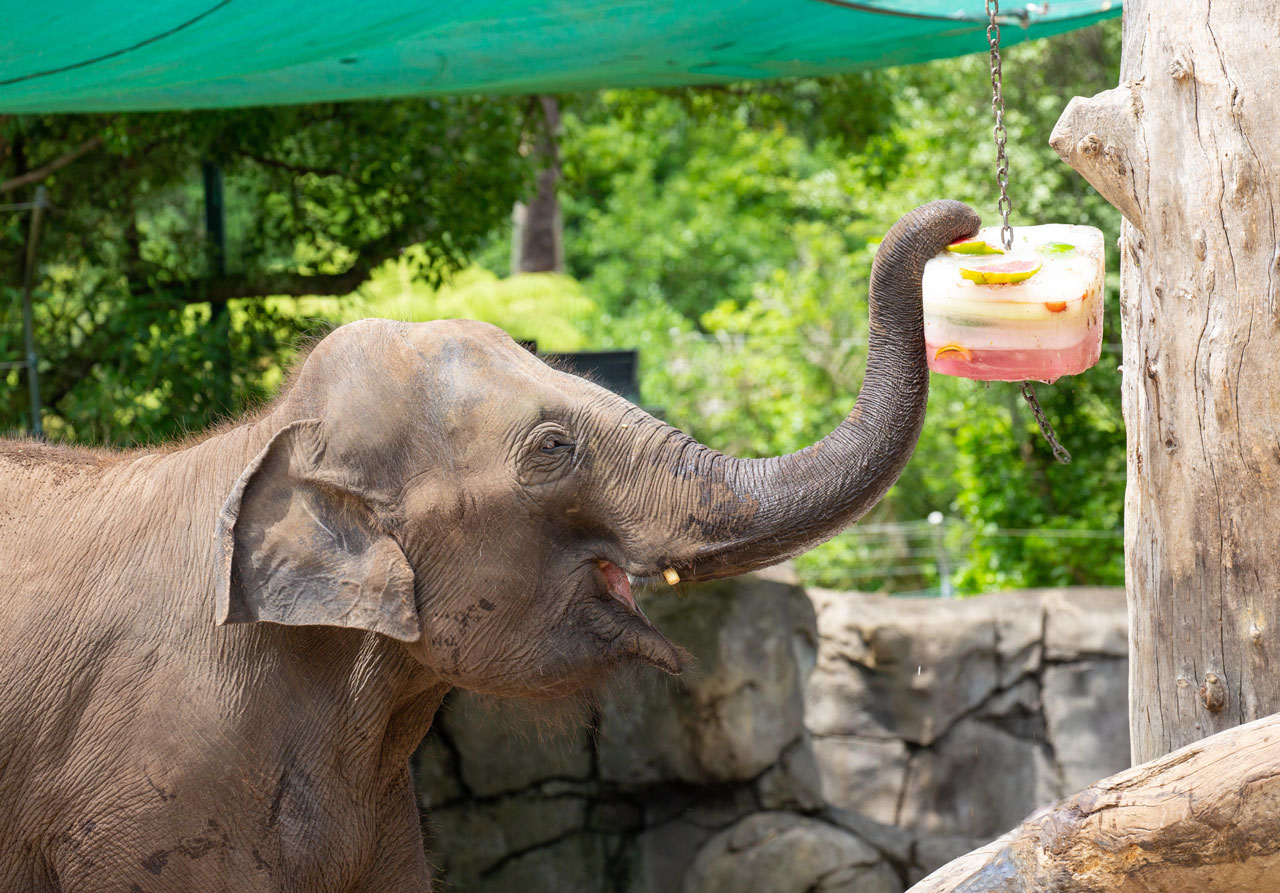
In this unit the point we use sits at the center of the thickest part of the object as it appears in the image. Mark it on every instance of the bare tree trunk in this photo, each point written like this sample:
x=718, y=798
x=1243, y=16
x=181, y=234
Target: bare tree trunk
x=539, y=228
x=1188, y=148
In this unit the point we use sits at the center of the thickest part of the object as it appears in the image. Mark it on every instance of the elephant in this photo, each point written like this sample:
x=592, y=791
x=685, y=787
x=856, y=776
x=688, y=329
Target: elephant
x=217, y=657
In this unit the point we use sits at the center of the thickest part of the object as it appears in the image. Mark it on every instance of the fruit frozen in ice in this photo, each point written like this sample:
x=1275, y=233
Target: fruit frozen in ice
x=1052, y=249
x=1001, y=273
x=1043, y=326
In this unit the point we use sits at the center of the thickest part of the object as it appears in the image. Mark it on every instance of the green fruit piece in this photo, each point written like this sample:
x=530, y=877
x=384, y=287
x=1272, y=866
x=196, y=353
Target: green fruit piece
x=1052, y=248
x=1001, y=274
x=974, y=246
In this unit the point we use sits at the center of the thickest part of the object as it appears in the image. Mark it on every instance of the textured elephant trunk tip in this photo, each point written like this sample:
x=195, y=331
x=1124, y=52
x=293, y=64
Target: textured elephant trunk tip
x=671, y=575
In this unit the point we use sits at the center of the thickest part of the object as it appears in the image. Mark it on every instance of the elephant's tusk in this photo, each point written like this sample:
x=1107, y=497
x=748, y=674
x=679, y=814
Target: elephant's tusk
x=671, y=576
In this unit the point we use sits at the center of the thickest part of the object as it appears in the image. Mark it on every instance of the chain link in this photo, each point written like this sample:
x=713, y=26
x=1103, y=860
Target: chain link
x=1004, y=205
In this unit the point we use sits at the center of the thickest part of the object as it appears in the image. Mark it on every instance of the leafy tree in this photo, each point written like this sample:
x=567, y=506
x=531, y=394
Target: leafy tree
x=136, y=338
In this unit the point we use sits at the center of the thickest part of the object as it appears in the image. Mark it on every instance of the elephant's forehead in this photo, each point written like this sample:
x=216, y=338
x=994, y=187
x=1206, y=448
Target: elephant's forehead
x=473, y=365
x=460, y=339
x=458, y=378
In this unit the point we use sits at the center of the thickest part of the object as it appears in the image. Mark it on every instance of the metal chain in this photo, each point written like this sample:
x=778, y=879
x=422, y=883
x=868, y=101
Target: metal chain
x=1004, y=205
x=1059, y=451
x=997, y=109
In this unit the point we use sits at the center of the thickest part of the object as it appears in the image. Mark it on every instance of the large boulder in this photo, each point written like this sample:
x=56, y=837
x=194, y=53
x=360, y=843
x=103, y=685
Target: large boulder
x=979, y=781
x=473, y=839
x=899, y=668
x=783, y=852
x=1086, y=708
x=866, y=775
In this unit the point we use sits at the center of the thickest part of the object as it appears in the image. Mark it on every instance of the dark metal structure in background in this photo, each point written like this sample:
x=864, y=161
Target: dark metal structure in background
x=31, y=359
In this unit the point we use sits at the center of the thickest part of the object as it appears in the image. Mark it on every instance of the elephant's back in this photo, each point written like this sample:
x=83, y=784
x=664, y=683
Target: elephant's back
x=47, y=500
x=39, y=484
x=73, y=572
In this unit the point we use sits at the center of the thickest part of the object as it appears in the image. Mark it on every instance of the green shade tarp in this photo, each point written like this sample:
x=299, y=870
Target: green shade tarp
x=103, y=55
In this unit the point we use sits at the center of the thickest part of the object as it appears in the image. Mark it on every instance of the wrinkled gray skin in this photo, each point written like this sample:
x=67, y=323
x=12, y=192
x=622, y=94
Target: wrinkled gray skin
x=215, y=661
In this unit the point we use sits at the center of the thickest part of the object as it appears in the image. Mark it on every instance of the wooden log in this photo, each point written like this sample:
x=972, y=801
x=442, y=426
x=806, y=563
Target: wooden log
x=1202, y=819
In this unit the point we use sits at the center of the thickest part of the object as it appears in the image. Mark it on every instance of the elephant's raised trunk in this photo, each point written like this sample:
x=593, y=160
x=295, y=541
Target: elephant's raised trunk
x=749, y=513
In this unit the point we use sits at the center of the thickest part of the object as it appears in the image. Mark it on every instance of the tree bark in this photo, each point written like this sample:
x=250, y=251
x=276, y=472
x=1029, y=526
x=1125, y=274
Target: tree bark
x=1188, y=148
x=1200, y=820
x=541, y=228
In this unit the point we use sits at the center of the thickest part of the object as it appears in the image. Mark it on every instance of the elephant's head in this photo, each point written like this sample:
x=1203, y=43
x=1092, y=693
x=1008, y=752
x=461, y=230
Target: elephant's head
x=439, y=484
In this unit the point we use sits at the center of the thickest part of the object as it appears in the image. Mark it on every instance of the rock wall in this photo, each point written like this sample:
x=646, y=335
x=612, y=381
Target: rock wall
x=829, y=742
x=959, y=717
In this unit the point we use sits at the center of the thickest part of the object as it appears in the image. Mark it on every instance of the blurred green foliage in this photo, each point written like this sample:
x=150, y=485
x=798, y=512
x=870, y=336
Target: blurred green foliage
x=727, y=233
x=546, y=308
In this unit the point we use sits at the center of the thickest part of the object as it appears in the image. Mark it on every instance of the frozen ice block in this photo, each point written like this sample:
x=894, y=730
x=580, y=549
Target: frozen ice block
x=1034, y=312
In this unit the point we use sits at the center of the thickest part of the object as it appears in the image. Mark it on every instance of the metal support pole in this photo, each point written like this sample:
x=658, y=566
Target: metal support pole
x=215, y=226
x=940, y=551
x=28, y=326
x=215, y=218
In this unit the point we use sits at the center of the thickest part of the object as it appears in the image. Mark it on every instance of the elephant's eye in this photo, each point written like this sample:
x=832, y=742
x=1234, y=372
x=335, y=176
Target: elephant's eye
x=549, y=455
x=553, y=444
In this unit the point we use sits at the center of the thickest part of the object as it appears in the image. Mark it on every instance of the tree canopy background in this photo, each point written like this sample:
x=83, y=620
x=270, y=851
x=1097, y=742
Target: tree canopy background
x=725, y=232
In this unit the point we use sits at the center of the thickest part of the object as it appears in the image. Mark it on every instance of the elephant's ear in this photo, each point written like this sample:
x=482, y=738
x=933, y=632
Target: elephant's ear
x=299, y=546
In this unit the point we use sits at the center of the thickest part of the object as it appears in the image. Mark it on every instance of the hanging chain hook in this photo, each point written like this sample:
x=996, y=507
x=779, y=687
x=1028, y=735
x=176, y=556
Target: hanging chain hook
x=1005, y=205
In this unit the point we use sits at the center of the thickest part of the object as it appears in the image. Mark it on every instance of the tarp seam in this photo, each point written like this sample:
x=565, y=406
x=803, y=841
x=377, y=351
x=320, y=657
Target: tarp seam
x=121, y=52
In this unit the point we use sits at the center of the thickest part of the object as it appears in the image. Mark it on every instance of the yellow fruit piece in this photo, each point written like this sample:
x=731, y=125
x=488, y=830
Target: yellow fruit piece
x=974, y=246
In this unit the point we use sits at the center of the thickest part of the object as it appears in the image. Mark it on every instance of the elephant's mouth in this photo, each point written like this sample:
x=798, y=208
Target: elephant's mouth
x=623, y=629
